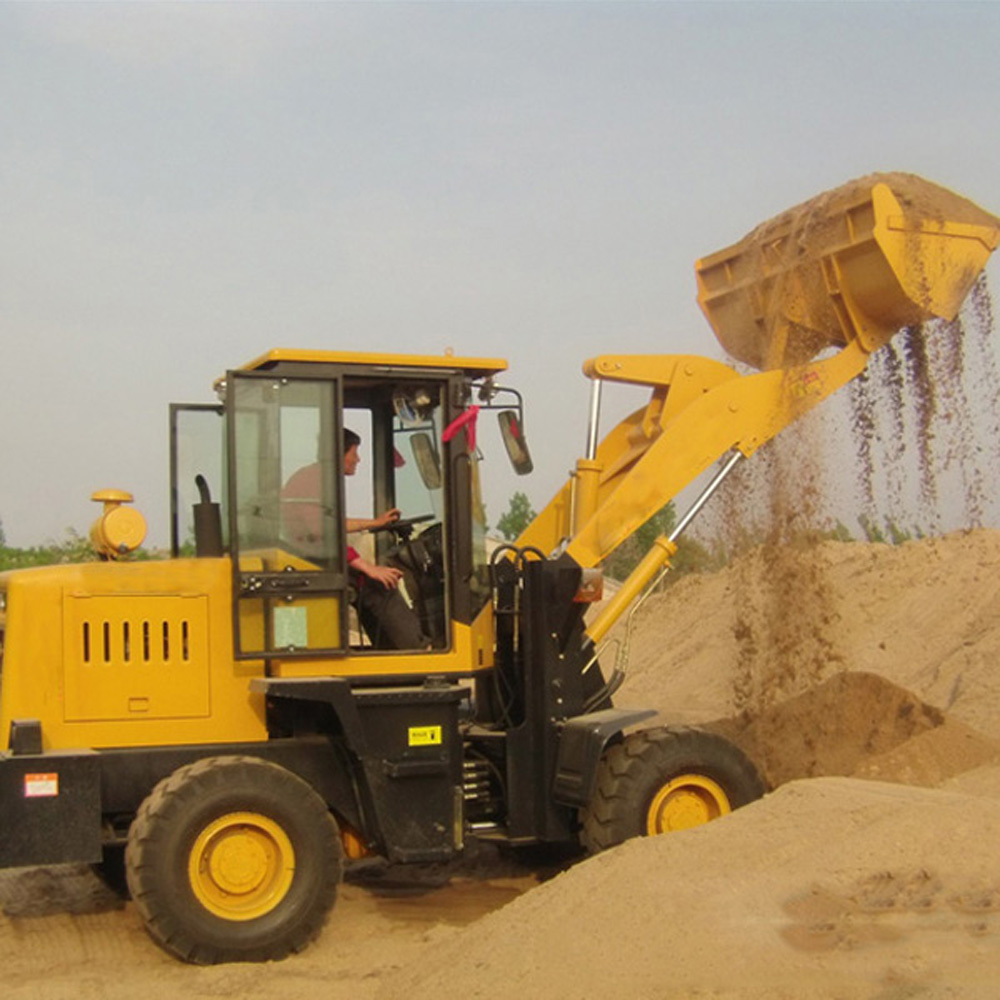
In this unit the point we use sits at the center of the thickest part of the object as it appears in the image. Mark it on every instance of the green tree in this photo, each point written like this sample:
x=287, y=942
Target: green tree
x=627, y=556
x=691, y=557
x=519, y=515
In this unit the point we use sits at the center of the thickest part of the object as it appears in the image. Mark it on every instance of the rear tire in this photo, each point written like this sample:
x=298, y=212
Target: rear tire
x=233, y=859
x=662, y=780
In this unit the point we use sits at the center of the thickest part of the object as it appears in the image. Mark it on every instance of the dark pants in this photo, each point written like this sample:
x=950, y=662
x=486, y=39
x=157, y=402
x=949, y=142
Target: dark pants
x=388, y=621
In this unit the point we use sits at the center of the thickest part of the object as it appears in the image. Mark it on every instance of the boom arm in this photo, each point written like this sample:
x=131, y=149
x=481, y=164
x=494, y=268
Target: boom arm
x=699, y=410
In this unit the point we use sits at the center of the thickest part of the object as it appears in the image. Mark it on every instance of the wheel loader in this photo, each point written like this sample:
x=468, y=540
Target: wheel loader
x=225, y=725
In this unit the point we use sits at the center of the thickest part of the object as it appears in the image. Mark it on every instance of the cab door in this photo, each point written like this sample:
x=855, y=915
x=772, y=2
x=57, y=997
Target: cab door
x=286, y=522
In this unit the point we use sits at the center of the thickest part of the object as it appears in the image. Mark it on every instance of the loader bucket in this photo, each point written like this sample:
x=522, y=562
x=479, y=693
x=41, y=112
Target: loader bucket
x=856, y=263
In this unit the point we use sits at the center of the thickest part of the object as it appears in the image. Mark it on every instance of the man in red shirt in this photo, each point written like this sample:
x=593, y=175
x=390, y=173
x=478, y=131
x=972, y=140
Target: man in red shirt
x=388, y=620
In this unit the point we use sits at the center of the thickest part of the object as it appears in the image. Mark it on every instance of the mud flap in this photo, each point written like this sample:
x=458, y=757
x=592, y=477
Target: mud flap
x=51, y=808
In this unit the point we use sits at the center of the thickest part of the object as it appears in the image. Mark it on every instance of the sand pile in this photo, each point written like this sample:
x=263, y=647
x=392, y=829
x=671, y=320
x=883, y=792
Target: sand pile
x=883, y=663
x=924, y=616
x=829, y=887
x=833, y=887
x=861, y=725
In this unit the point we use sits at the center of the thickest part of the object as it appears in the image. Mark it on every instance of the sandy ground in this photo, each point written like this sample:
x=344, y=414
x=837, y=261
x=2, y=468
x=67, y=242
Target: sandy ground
x=862, y=678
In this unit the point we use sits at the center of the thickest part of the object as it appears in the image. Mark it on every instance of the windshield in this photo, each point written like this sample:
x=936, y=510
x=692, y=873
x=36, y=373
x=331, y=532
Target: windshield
x=419, y=474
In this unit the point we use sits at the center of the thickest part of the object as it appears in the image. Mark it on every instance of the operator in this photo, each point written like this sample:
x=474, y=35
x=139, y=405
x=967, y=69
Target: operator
x=389, y=621
x=385, y=616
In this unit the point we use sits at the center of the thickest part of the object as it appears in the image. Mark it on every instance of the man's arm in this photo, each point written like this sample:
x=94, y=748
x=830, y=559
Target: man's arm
x=372, y=523
x=388, y=576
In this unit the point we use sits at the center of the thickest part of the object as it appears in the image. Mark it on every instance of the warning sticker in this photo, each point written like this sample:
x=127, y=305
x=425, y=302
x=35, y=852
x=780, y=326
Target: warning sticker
x=40, y=786
x=425, y=736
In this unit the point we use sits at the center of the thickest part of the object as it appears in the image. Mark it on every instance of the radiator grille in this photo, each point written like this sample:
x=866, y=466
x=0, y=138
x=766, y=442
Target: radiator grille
x=145, y=641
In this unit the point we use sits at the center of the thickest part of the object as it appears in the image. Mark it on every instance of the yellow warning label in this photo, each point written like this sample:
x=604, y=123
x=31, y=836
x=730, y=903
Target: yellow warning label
x=425, y=736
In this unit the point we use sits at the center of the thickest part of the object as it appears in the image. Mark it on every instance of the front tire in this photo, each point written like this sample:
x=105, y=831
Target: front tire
x=663, y=780
x=233, y=859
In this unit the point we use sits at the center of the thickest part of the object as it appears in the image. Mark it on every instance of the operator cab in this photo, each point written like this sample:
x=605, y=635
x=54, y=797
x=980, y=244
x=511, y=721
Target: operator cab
x=272, y=455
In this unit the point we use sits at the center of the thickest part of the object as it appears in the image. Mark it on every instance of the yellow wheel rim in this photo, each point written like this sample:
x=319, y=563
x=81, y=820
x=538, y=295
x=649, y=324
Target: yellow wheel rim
x=241, y=866
x=687, y=801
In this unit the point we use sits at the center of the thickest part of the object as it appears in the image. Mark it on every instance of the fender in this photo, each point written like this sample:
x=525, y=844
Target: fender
x=582, y=741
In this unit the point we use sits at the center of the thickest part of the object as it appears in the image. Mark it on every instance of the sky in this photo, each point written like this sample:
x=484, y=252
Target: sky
x=188, y=185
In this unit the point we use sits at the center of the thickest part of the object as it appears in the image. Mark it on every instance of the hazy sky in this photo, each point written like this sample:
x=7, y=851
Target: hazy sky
x=187, y=185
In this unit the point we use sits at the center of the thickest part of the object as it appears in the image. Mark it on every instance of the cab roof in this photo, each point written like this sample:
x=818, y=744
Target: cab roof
x=472, y=367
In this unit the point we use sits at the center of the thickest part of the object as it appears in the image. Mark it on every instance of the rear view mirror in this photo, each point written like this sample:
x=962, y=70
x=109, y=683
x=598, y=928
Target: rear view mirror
x=513, y=439
x=427, y=460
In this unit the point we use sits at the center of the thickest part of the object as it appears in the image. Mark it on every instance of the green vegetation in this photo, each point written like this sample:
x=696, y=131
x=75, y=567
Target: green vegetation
x=74, y=548
x=889, y=533
x=519, y=515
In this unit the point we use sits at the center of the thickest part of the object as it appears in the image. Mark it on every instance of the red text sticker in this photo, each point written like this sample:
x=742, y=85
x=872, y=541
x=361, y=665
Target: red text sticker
x=38, y=786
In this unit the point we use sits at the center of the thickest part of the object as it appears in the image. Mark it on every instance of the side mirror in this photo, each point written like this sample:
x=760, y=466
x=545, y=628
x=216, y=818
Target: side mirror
x=427, y=460
x=514, y=442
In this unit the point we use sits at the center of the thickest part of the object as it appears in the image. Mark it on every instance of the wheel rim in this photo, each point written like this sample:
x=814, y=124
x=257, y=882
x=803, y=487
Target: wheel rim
x=241, y=866
x=687, y=801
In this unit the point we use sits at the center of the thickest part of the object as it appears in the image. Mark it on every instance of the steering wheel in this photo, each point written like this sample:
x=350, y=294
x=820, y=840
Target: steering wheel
x=405, y=525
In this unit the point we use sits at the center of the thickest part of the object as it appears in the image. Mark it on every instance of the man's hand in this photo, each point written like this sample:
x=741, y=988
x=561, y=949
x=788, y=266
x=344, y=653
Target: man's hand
x=384, y=520
x=388, y=576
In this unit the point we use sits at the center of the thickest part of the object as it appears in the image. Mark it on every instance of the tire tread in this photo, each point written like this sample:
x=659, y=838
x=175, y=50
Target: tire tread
x=645, y=759
x=168, y=803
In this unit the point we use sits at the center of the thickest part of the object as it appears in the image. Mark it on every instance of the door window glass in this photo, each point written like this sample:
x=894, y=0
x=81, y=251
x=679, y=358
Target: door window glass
x=286, y=466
